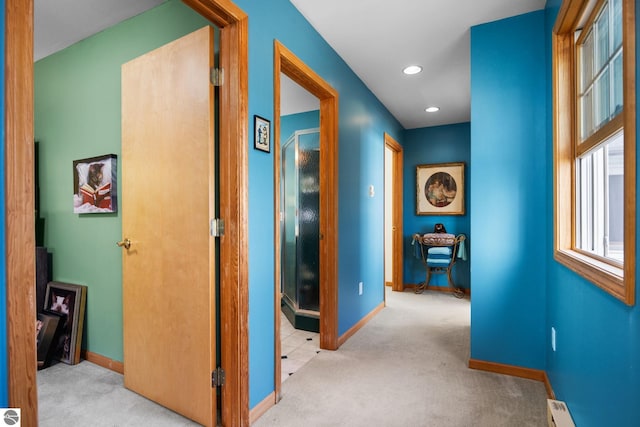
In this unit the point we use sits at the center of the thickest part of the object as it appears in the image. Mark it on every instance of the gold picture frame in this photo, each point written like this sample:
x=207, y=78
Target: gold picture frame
x=440, y=189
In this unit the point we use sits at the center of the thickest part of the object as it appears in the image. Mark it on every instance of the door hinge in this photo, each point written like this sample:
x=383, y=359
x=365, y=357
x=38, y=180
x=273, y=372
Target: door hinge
x=217, y=227
x=217, y=377
x=217, y=76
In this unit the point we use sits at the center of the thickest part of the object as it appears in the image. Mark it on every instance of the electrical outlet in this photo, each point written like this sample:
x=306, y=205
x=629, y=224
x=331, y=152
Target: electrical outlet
x=360, y=288
x=553, y=338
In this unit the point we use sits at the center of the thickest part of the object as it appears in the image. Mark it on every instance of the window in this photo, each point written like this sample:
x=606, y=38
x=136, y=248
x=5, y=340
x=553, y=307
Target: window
x=594, y=142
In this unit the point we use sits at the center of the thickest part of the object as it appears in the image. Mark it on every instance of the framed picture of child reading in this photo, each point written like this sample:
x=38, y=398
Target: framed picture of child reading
x=440, y=189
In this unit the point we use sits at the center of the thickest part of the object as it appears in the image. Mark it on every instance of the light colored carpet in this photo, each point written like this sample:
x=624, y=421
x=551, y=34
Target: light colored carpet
x=86, y=395
x=407, y=367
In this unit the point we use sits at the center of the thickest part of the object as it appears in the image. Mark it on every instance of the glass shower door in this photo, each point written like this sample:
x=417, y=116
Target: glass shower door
x=301, y=228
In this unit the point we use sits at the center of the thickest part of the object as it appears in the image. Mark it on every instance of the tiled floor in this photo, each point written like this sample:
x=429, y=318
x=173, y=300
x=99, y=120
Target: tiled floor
x=297, y=347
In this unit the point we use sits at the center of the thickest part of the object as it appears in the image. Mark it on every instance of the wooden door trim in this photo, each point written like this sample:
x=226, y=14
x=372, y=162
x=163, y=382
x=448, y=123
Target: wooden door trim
x=289, y=64
x=233, y=175
x=19, y=239
x=396, y=214
x=19, y=208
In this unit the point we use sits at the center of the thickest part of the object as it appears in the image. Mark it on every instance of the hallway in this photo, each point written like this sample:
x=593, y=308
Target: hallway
x=407, y=367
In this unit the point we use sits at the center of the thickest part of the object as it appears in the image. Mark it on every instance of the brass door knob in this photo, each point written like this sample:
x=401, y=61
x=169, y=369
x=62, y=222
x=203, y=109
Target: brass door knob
x=126, y=243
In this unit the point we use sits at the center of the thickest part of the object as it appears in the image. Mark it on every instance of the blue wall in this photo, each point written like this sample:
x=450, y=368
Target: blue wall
x=596, y=365
x=509, y=166
x=4, y=379
x=301, y=121
x=439, y=144
x=362, y=123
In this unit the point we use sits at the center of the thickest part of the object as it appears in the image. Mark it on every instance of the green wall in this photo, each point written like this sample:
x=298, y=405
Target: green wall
x=77, y=115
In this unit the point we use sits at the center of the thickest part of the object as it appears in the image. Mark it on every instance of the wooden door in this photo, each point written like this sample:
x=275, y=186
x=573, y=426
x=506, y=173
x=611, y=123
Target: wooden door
x=167, y=203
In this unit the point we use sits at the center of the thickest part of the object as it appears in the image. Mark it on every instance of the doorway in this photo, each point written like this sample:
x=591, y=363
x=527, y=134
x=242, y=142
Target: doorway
x=19, y=176
x=300, y=178
x=288, y=64
x=393, y=247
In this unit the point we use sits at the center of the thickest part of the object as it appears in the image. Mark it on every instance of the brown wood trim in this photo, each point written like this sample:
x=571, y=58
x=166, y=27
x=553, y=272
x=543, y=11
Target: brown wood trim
x=220, y=12
x=397, y=213
x=277, y=244
x=569, y=14
x=329, y=222
x=105, y=362
x=19, y=206
x=355, y=328
x=629, y=69
x=233, y=176
x=234, y=247
x=288, y=63
x=514, y=371
x=547, y=385
x=261, y=408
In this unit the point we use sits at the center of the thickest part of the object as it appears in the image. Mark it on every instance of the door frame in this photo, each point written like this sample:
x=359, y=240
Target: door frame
x=19, y=207
x=289, y=64
x=397, y=247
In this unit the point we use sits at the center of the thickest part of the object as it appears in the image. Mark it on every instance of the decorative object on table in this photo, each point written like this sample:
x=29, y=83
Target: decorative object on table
x=440, y=189
x=69, y=300
x=48, y=326
x=95, y=184
x=262, y=134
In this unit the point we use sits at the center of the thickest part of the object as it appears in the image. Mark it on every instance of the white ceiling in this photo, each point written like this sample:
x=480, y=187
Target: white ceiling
x=377, y=38
x=60, y=23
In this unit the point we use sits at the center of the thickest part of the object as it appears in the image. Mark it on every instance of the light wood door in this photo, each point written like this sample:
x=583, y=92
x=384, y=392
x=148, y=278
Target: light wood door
x=167, y=203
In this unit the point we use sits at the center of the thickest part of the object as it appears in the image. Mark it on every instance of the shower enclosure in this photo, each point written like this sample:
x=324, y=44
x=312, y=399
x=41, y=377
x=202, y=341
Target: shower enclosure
x=300, y=229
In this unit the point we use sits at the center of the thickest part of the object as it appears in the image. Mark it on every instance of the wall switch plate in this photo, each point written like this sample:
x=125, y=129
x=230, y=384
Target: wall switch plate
x=360, y=288
x=553, y=338
x=372, y=191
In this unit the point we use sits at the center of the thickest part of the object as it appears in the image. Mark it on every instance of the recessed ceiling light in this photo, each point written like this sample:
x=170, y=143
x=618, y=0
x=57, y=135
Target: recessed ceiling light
x=432, y=109
x=412, y=69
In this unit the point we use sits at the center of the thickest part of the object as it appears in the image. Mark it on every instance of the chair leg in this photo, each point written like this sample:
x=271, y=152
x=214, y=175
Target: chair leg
x=422, y=286
x=457, y=292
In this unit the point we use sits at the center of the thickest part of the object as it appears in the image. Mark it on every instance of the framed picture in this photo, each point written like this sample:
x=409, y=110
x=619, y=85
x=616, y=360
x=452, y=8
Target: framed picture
x=47, y=332
x=262, y=137
x=440, y=189
x=69, y=300
x=95, y=185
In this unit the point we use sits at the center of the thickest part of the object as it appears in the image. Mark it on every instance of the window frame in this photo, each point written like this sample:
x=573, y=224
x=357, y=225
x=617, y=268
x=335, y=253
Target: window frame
x=614, y=279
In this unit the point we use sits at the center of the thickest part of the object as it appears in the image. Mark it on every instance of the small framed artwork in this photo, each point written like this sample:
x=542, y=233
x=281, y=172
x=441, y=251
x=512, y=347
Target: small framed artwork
x=95, y=185
x=69, y=300
x=262, y=137
x=47, y=332
x=440, y=189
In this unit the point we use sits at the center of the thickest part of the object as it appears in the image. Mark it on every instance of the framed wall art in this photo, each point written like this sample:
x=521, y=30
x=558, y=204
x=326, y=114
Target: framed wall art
x=47, y=333
x=440, y=189
x=68, y=300
x=262, y=134
x=95, y=185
